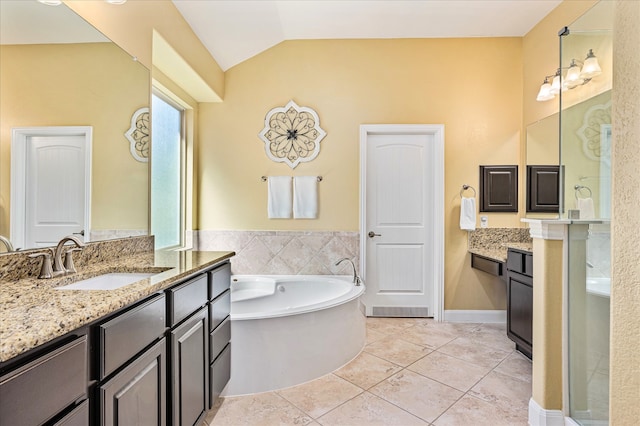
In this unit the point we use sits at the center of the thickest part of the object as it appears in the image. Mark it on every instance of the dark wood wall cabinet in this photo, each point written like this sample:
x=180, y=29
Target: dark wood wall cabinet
x=498, y=188
x=543, y=189
x=520, y=300
x=163, y=360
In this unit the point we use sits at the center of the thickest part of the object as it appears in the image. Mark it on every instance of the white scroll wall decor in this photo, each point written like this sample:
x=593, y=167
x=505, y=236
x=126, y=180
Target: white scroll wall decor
x=138, y=135
x=292, y=134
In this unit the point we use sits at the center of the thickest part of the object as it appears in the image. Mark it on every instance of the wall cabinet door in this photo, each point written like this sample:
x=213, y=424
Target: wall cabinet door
x=136, y=395
x=189, y=369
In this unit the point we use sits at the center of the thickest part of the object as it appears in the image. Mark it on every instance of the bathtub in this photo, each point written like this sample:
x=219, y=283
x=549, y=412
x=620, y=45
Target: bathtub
x=599, y=286
x=287, y=330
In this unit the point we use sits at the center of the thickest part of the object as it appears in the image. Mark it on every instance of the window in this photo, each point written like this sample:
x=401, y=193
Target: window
x=167, y=172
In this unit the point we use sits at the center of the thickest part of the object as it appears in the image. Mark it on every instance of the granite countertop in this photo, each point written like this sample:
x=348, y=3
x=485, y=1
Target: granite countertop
x=32, y=312
x=499, y=253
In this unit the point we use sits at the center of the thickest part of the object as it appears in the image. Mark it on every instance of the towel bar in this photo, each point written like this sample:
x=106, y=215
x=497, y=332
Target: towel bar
x=264, y=178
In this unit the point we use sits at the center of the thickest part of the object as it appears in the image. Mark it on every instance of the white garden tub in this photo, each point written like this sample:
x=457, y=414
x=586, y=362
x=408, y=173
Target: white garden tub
x=287, y=330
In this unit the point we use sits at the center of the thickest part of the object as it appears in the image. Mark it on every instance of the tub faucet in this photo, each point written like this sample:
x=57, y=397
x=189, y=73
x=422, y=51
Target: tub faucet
x=356, y=278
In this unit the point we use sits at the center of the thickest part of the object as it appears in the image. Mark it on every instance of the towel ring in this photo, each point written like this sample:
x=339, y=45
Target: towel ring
x=465, y=187
x=579, y=188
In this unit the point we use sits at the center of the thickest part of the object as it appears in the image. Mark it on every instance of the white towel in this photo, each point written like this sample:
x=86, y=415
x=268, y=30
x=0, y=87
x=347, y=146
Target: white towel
x=587, y=210
x=468, y=214
x=279, y=198
x=305, y=197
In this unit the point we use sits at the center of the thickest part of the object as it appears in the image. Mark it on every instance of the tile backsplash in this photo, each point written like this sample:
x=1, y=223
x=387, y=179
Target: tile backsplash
x=284, y=252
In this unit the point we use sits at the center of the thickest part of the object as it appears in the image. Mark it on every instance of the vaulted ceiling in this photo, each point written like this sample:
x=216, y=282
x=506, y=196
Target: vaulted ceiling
x=235, y=30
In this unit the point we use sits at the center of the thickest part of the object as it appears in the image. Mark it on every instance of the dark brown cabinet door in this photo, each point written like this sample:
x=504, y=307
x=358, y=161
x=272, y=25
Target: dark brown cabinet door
x=498, y=188
x=136, y=395
x=543, y=189
x=189, y=365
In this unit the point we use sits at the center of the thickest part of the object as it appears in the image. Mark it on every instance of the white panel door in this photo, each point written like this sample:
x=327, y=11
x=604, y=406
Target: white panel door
x=55, y=188
x=402, y=215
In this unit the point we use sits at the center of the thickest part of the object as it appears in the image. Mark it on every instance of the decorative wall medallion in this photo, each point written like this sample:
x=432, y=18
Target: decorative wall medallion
x=138, y=135
x=292, y=134
x=593, y=132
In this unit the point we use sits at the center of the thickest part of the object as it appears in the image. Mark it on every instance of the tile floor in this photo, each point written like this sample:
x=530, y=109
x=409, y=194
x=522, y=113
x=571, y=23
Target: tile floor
x=411, y=372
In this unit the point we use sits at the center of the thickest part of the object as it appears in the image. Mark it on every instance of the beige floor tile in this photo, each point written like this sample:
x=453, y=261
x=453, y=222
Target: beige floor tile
x=451, y=371
x=369, y=410
x=490, y=335
x=373, y=335
x=473, y=352
x=505, y=391
x=261, y=409
x=367, y=370
x=516, y=365
x=430, y=336
x=397, y=351
x=472, y=411
x=389, y=325
x=417, y=394
x=459, y=328
x=321, y=395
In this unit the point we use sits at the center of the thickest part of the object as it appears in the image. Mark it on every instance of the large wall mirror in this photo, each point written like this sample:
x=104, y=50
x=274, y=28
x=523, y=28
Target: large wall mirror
x=584, y=154
x=57, y=71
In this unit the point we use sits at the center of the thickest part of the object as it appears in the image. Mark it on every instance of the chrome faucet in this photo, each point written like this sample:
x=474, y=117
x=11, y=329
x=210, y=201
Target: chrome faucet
x=7, y=243
x=60, y=268
x=356, y=278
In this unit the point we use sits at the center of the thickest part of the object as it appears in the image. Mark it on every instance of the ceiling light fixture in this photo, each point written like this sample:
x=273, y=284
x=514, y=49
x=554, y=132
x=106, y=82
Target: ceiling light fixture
x=575, y=77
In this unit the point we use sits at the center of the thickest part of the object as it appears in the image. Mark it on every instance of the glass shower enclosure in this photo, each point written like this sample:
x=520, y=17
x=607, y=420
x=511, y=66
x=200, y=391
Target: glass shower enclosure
x=585, y=142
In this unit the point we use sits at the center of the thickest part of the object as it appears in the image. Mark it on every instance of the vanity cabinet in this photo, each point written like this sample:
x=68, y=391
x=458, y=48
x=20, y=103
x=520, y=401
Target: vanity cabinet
x=131, y=365
x=51, y=386
x=219, y=331
x=137, y=394
x=189, y=369
x=520, y=300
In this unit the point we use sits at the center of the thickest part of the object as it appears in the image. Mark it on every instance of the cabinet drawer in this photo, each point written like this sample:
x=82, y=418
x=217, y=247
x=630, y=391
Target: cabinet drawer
x=34, y=393
x=515, y=261
x=219, y=338
x=490, y=266
x=186, y=298
x=528, y=265
x=79, y=416
x=219, y=309
x=219, y=281
x=220, y=372
x=129, y=333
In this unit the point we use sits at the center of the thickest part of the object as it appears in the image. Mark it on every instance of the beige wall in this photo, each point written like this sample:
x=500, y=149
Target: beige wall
x=131, y=26
x=625, y=290
x=80, y=85
x=472, y=86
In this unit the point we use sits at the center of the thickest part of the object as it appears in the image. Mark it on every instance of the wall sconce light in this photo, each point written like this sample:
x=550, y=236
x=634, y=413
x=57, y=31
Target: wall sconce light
x=576, y=76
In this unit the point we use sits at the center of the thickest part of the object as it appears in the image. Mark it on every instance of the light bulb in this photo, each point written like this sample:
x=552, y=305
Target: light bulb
x=51, y=2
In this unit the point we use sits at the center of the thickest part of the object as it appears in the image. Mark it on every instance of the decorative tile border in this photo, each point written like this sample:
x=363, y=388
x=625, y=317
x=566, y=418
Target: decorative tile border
x=284, y=252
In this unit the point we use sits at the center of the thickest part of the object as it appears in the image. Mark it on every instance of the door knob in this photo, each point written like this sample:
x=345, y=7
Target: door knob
x=373, y=234
x=79, y=233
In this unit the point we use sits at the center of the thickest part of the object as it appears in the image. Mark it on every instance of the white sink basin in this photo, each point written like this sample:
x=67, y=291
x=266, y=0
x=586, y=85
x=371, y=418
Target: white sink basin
x=107, y=281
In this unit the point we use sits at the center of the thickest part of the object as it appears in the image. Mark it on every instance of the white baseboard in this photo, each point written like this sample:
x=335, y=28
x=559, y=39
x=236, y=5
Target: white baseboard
x=491, y=316
x=538, y=416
